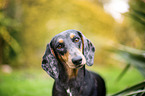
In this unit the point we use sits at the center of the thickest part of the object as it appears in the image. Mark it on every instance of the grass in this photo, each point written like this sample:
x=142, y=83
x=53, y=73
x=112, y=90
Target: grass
x=38, y=83
x=110, y=75
x=25, y=83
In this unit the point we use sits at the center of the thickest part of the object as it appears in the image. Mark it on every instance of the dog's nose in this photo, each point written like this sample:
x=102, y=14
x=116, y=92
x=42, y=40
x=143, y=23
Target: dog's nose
x=77, y=60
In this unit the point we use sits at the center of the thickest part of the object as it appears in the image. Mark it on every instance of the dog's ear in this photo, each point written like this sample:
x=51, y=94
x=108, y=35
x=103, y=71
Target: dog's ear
x=88, y=50
x=49, y=63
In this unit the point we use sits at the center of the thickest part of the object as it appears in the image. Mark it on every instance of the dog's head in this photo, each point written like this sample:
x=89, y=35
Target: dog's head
x=71, y=48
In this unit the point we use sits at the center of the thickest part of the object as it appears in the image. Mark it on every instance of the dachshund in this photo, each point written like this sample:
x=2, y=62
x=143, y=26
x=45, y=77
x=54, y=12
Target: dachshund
x=65, y=59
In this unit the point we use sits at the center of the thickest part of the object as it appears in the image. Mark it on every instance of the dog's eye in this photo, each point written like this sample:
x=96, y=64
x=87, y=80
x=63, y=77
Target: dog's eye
x=59, y=46
x=76, y=40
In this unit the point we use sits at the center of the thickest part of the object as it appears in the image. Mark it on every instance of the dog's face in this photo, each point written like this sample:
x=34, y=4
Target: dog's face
x=69, y=48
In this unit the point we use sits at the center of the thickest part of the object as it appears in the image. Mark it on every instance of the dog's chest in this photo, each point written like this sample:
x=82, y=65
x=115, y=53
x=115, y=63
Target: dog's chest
x=69, y=92
x=76, y=90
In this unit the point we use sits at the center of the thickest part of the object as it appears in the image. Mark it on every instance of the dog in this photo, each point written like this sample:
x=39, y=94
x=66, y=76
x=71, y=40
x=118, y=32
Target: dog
x=64, y=60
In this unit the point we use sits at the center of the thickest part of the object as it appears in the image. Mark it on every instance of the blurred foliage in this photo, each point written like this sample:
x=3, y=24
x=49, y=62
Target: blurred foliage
x=134, y=55
x=9, y=33
x=26, y=26
x=137, y=13
x=130, y=56
x=131, y=31
x=34, y=23
x=136, y=90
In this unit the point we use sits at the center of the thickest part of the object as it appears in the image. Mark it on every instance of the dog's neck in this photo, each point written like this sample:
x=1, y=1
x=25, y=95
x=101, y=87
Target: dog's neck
x=71, y=73
x=72, y=80
x=74, y=73
x=68, y=74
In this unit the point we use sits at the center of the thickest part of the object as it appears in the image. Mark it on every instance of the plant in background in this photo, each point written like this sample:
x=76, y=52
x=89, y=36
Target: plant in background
x=9, y=28
x=132, y=56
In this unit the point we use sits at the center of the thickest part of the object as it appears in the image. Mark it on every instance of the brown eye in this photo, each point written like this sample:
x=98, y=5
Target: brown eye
x=59, y=46
x=76, y=40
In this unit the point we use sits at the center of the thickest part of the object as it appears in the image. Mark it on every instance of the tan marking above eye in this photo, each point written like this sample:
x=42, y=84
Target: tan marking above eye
x=60, y=40
x=72, y=35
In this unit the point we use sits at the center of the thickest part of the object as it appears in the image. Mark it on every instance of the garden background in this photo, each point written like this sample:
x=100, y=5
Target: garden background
x=26, y=26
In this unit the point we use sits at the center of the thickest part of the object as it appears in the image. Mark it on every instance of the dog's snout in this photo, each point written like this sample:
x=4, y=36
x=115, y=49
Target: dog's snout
x=77, y=60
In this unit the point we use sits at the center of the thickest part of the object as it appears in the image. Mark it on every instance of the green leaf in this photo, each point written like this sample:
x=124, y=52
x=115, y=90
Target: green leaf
x=10, y=40
x=137, y=19
x=132, y=56
x=132, y=90
x=123, y=72
x=137, y=15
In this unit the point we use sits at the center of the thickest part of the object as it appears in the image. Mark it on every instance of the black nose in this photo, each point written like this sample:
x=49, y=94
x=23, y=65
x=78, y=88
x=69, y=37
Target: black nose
x=77, y=60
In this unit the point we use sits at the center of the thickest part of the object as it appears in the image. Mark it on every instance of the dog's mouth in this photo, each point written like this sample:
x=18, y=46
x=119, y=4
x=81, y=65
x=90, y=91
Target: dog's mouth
x=76, y=66
x=79, y=66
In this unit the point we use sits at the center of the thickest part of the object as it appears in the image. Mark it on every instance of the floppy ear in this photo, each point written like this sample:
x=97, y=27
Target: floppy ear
x=49, y=63
x=88, y=50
